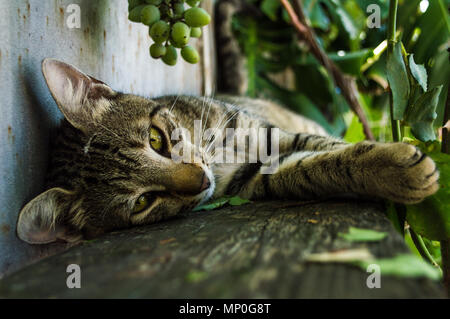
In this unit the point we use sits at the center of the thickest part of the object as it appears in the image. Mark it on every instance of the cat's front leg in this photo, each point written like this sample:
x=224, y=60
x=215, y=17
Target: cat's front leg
x=395, y=171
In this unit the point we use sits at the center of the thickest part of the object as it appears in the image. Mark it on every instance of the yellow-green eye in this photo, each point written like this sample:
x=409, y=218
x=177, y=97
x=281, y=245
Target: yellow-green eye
x=156, y=140
x=142, y=203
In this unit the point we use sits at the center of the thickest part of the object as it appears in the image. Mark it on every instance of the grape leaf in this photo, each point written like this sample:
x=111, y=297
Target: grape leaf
x=422, y=114
x=419, y=72
x=398, y=81
x=362, y=235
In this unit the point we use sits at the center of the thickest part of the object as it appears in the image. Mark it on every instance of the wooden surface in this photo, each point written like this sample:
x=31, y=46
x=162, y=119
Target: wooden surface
x=252, y=251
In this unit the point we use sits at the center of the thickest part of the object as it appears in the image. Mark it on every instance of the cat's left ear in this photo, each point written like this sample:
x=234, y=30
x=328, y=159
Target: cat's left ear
x=40, y=220
x=81, y=98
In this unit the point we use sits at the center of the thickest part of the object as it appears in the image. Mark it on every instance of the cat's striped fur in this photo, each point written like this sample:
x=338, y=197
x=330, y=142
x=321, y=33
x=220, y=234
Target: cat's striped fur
x=102, y=161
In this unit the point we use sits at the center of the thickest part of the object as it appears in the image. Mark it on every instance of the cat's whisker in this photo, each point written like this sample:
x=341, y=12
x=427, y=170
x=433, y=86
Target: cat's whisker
x=201, y=120
x=175, y=102
x=206, y=121
x=216, y=127
x=223, y=126
x=203, y=124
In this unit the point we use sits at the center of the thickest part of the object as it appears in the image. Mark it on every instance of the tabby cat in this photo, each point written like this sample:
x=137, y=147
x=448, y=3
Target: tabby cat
x=112, y=168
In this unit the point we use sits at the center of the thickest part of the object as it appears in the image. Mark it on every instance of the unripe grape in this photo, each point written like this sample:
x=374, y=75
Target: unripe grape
x=181, y=33
x=192, y=3
x=154, y=2
x=157, y=50
x=178, y=9
x=197, y=17
x=190, y=54
x=196, y=32
x=133, y=4
x=159, y=31
x=150, y=14
x=170, y=58
x=135, y=14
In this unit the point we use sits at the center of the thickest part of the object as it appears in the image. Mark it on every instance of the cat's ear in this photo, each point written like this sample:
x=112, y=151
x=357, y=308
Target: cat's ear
x=39, y=223
x=81, y=98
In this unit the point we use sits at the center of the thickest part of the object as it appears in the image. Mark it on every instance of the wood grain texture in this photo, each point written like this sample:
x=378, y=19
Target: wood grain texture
x=252, y=251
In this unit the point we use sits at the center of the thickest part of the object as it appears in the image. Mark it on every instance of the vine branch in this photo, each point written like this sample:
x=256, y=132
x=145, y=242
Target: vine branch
x=345, y=83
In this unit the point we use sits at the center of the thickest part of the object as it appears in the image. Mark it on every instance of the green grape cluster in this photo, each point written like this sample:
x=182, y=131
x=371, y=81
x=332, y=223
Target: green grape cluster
x=171, y=24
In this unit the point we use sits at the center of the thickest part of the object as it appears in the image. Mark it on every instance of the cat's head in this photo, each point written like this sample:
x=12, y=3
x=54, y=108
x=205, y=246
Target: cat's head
x=112, y=164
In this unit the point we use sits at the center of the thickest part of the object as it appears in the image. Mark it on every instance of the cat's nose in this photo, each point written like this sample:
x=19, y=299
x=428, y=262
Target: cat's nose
x=205, y=184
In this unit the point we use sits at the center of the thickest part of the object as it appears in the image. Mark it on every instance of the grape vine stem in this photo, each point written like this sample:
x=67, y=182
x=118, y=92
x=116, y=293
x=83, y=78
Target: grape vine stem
x=346, y=83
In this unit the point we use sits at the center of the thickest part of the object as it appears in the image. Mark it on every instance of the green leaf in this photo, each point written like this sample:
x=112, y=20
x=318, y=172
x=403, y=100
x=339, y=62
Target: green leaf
x=362, y=235
x=345, y=19
x=404, y=265
x=316, y=85
x=270, y=8
x=431, y=218
x=435, y=29
x=237, y=201
x=316, y=15
x=422, y=114
x=351, y=62
x=398, y=81
x=355, y=132
x=212, y=205
x=196, y=276
x=419, y=72
x=217, y=203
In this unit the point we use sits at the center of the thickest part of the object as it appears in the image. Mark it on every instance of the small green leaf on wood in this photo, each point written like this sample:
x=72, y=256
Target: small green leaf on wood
x=419, y=72
x=404, y=265
x=362, y=235
x=220, y=202
x=212, y=205
x=422, y=114
x=196, y=276
x=237, y=201
x=398, y=81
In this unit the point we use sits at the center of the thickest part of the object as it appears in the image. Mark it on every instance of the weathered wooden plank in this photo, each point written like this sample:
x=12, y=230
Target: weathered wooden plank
x=252, y=251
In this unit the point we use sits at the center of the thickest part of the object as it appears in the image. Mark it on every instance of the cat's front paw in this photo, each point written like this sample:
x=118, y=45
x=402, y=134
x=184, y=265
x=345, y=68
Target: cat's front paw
x=408, y=176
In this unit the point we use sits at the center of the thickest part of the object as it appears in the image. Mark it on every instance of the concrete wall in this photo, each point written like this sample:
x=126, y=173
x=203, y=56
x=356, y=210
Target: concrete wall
x=108, y=47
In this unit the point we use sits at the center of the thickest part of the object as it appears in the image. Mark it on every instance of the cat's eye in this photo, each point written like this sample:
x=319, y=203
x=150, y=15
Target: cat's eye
x=143, y=202
x=156, y=139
